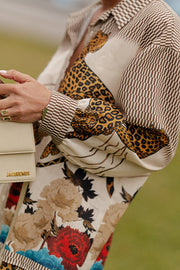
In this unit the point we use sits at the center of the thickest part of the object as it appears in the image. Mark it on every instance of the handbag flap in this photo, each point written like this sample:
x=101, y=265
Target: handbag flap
x=17, y=168
x=16, y=138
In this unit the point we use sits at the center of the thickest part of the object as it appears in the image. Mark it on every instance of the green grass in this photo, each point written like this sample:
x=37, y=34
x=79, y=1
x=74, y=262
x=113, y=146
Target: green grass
x=24, y=55
x=147, y=237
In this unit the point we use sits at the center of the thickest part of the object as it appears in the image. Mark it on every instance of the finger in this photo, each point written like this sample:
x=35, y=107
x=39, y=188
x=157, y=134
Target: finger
x=4, y=113
x=12, y=112
x=6, y=103
x=29, y=118
x=15, y=76
x=6, y=89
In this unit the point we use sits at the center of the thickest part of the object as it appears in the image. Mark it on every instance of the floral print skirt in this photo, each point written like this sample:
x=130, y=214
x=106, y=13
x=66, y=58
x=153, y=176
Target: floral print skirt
x=66, y=217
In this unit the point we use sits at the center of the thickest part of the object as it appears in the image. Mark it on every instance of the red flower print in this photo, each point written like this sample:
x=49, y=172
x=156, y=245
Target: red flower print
x=71, y=245
x=14, y=194
x=104, y=252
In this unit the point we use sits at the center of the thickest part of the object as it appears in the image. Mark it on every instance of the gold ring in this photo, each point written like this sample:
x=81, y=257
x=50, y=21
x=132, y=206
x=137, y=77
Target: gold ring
x=6, y=118
x=4, y=113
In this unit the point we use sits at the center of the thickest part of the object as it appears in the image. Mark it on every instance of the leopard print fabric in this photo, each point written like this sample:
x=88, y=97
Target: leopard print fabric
x=7, y=266
x=80, y=81
x=146, y=141
x=102, y=118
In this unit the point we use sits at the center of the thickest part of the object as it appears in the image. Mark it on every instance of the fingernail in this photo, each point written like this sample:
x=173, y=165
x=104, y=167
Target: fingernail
x=3, y=71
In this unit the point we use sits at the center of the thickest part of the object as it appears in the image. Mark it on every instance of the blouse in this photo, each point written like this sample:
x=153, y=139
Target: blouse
x=113, y=118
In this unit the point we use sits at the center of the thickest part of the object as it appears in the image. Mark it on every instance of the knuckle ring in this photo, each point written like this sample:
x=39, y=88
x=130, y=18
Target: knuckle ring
x=4, y=113
x=5, y=116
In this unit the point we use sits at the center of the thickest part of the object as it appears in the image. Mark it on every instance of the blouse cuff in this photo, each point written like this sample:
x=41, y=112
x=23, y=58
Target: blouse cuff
x=59, y=115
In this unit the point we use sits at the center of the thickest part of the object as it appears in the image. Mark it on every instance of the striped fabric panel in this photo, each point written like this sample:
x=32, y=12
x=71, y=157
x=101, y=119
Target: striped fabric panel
x=152, y=21
x=59, y=115
x=149, y=90
x=126, y=10
x=21, y=261
x=152, y=84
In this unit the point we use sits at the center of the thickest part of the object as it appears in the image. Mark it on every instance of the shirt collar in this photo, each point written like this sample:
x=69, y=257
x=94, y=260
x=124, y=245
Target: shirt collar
x=76, y=21
x=123, y=12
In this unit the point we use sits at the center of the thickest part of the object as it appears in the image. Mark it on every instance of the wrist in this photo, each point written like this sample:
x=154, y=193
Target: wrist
x=57, y=116
x=46, y=104
x=43, y=113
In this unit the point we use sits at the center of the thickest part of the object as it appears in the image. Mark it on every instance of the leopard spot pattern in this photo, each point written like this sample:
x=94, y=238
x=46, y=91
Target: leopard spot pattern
x=8, y=266
x=101, y=118
x=146, y=141
x=80, y=81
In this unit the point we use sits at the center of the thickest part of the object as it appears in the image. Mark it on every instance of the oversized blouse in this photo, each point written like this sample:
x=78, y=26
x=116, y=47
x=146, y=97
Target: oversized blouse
x=113, y=118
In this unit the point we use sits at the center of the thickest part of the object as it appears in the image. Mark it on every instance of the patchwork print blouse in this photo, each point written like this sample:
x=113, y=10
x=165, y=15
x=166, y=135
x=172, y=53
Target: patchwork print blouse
x=113, y=118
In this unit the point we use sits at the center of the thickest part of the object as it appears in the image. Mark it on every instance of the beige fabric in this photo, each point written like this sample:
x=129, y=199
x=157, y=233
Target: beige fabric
x=111, y=61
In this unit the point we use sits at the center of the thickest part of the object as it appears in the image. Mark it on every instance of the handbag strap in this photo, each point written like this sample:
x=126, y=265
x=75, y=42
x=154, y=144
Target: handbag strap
x=19, y=204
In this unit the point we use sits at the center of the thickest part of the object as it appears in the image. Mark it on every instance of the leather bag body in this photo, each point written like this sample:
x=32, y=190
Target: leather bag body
x=17, y=152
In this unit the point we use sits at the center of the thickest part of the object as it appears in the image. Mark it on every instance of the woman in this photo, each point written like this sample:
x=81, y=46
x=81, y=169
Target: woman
x=106, y=114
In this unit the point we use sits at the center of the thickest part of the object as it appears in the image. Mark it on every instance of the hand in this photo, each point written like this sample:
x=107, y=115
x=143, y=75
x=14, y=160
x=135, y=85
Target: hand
x=25, y=100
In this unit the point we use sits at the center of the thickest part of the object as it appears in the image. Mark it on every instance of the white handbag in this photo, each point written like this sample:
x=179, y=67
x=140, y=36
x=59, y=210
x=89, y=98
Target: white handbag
x=17, y=152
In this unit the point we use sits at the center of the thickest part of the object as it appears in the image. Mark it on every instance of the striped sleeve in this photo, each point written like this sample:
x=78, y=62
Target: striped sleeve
x=60, y=112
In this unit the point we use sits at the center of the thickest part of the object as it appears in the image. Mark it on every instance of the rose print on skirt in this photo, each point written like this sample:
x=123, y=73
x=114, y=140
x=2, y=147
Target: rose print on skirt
x=71, y=245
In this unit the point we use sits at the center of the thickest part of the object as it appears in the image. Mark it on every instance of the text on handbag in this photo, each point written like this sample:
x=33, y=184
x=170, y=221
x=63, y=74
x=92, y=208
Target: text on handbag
x=24, y=173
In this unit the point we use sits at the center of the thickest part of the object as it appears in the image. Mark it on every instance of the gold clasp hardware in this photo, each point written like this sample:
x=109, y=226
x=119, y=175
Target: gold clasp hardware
x=24, y=173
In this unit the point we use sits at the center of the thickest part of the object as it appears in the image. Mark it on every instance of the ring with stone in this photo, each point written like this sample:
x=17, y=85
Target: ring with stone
x=6, y=118
x=4, y=113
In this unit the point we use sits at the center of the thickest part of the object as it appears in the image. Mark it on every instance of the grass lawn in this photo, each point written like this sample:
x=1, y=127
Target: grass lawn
x=148, y=236
x=24, y=55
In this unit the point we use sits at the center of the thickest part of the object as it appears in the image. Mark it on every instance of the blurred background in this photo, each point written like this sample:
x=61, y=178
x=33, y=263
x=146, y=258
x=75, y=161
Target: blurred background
x=148, y=235
x=43, y=20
